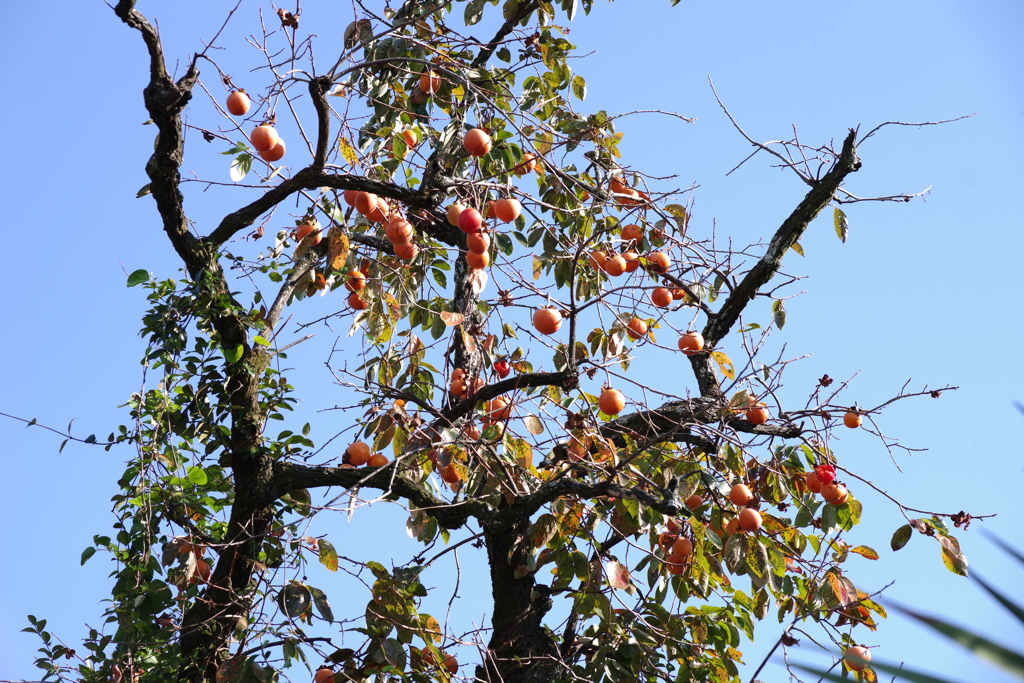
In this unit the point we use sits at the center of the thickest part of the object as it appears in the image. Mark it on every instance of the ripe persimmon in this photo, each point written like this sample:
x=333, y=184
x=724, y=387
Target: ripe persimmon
x=356, y=281
x=658, y=262
x=678, y=294
x=615, y=265
x=675, y=568
x=691, y=343
x=857, y=657
x=478, y=242
x=529, y=164
x=661, y=297
x=835, y=493
x=682, y=548
x=275, y=153
x=309, y=227
x=502, y=368
x=365, y=202
x=740, y=494
x=750, y=519
x=406, y=252
x=450, y=474
x=632, y=233
x=611, y=401
x=499, y=408
x=358, y=453
x=757, y=414
x=350, y=197
x=238, y=103
x=399, y=231
x=547, y=320
x=632, y=260
x=203, y=571
x=430, y=82
x=454, y=211
x=356, y=303
x=477, y=142
x=470, y=220
x=380, y=213
x=636, y=328
x=598, y=259
x=264, y=137
x=324, y=674
x=694, y=501
x=733, y=527
x=377, y=460
x=492, y=211
x=478, y=261
x=508, y=209
x=812, y=481
x=852, y=419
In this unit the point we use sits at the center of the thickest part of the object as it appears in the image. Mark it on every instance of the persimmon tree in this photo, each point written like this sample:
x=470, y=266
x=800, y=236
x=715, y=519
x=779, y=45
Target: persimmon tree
x=500, y=264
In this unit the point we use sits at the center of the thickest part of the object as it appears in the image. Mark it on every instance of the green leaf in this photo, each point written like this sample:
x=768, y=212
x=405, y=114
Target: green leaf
x=1013, y=607
x=579, y=87
x=841, y=224
x=143, y=191
x=87, y=553
x=240, y=166
x=322, y=604
x=328, y=555
x=233, y=355
x=197, y=475
x=901, y=537
x=983, y=648
x=901, y=672
x=261, y=341
x=474, y=12
x=138, y=277
x=779, y=313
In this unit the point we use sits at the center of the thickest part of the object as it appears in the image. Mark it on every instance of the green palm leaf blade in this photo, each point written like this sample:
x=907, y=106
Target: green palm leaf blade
x=905, y=674
x=993, y=653
x=1010, y=605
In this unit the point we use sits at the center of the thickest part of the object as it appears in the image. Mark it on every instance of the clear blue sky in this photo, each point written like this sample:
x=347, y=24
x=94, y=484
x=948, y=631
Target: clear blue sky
x=928, y=291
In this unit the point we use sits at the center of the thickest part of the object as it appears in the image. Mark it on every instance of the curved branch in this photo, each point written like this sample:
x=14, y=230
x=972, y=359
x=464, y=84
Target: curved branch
x=292, y=476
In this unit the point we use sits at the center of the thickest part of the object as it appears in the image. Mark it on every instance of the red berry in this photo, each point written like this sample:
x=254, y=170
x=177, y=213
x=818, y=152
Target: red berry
x=826, y=474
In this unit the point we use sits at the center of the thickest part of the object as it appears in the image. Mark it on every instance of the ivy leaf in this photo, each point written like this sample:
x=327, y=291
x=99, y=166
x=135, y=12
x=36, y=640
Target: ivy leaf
x=233, y=354
x=328, y=555
x=841, y=224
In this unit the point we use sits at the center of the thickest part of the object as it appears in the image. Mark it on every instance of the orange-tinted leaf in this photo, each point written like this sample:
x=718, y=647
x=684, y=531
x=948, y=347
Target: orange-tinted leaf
x=450, y=318
x=477, y=280
x=537, y=267
x=865, y=551
x=338, y=247
x=618, y=575
x=838, y=589
x=543, y=530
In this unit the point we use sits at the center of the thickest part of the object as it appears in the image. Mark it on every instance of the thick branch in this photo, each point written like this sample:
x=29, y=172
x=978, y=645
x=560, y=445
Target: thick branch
x=786, y=236
x=291, y=476
x=525, y=10
x=310, y=178
x=532, y=379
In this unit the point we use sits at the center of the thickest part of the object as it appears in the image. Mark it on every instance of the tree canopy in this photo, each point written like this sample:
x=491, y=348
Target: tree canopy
x=499, y=264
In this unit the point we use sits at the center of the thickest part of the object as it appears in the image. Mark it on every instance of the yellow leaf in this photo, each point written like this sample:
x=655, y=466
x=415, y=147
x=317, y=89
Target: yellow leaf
x=338, y=247
x=537, y=265
x=865, y=551
x=724, y=364
x=676, y=210
x=348, y=152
